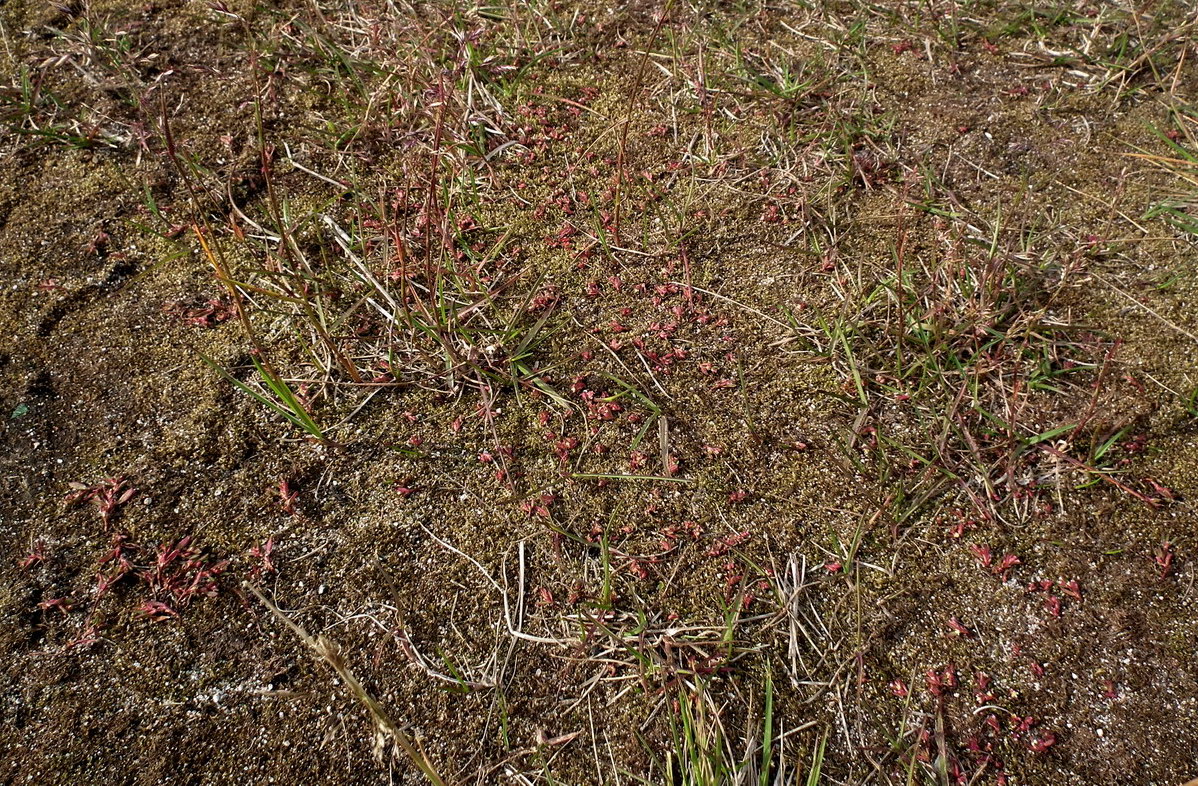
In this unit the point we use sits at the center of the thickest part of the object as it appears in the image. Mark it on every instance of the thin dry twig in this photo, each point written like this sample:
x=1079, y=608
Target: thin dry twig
x=327, y=651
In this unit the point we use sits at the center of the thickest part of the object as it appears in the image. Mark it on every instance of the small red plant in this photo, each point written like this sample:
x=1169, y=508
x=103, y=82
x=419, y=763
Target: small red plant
x=287, y=497
x=108, y=495
x=156, y=610
x=725, y=544
x=983, y=553
x=179, y=574
x=1005, y=566
x=1042, y=742
x=63, y=605
x=35, y=556
x=205, y=314
x=1164, y=558
x=937, y=681
x=262, y=555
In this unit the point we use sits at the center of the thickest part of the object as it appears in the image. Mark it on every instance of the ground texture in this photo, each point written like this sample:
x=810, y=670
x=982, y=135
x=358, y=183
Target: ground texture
x=693, y=393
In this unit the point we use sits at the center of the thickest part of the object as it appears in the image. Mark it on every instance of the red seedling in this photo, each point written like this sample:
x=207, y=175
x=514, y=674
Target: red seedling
x=538, y=506
x=960, y=526
x=105, y=582
x=98, y=243
x=937, y=682
x=206, y=314
x=948, y=676
x=563, y=447
x=981, y=684
x=262, y=554
x=1161, y=491
x=108, y=495
x=1042, y=742
x=88, y=638
x=1005, y=566
x=1164, y=558
x=157, y=611
x=64, y=605
x=957, y=628
x=984, y=555
x=287, y=497
x=636, y=568
x=725, y=544
x=180, y=573
x=117, y=553
x=36, y=555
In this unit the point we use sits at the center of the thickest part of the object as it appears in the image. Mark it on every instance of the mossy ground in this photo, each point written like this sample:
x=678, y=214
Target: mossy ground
x=829, y=511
